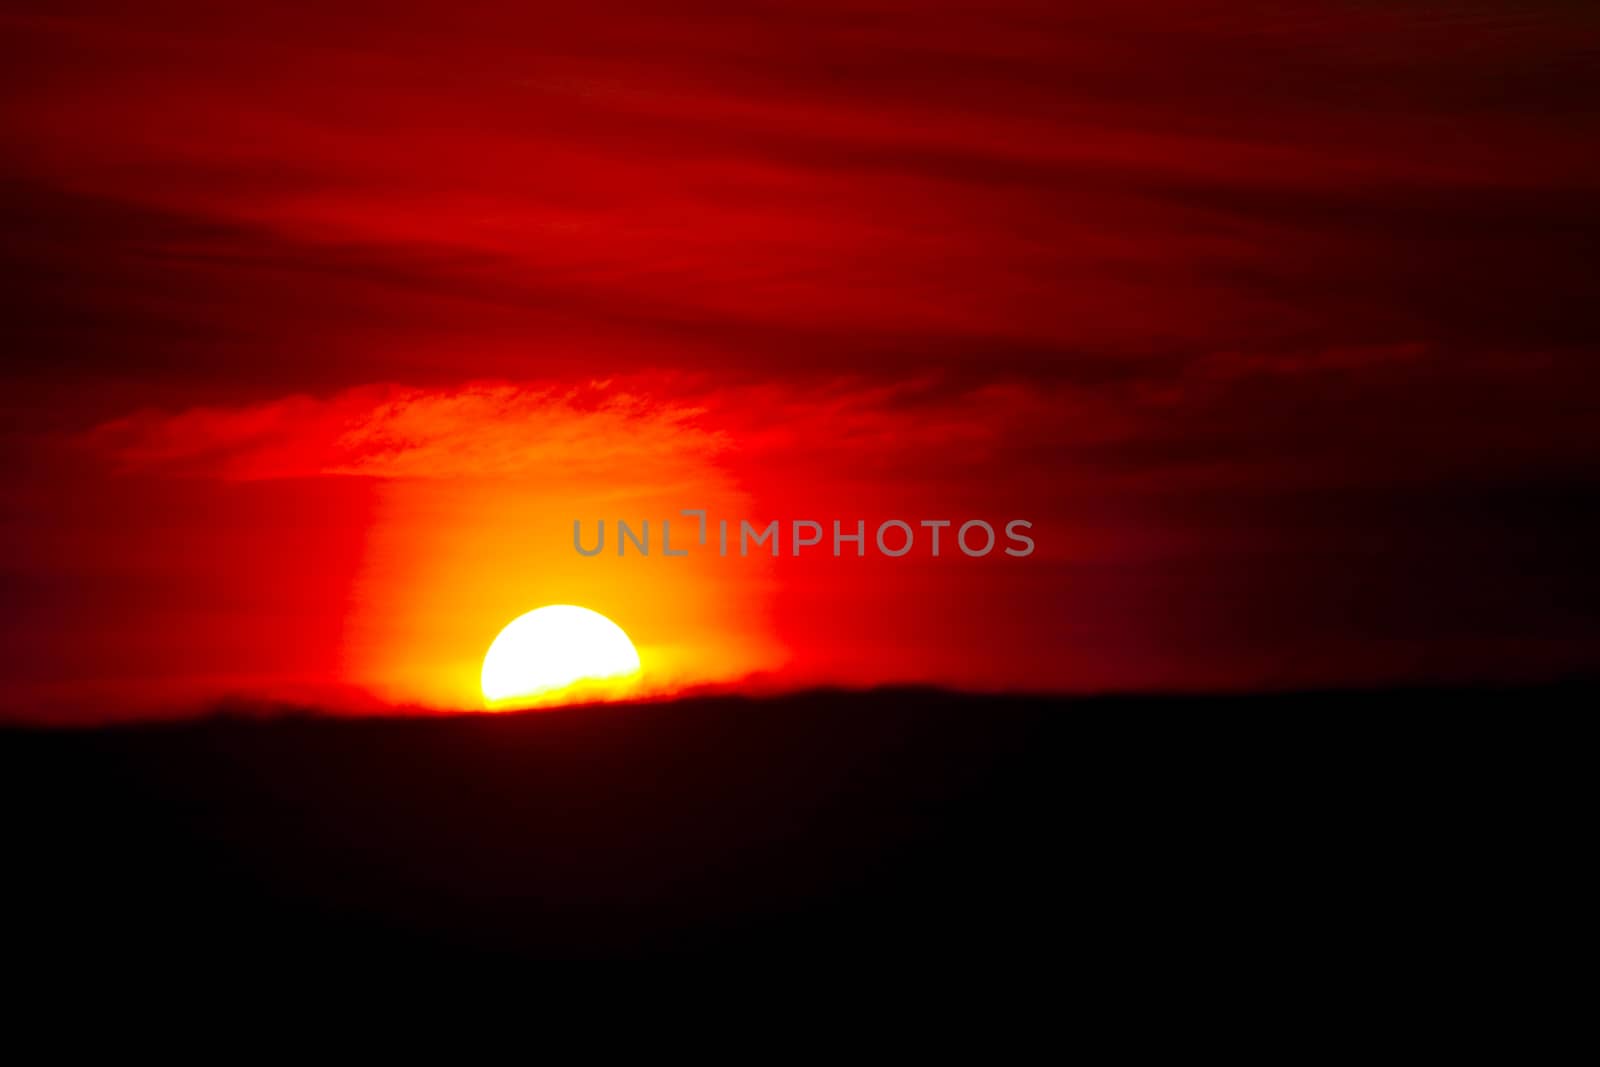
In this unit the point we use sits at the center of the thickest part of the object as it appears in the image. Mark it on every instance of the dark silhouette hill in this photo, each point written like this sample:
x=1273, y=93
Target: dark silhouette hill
x=896, y=825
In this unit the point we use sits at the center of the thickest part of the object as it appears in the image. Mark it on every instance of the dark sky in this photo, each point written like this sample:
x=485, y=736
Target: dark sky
x=1277, y=321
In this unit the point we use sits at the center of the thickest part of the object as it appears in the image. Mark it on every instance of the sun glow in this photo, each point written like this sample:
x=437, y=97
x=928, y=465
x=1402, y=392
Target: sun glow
x=558, y=654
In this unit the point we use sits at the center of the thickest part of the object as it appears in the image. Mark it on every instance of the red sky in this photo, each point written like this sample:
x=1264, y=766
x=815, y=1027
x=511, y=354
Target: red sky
x=321, y=328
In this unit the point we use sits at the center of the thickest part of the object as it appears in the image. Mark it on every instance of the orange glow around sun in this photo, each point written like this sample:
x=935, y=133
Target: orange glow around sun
x=477, y=493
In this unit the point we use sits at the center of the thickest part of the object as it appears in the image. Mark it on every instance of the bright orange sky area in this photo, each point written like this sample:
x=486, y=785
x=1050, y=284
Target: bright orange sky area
x=425, y=519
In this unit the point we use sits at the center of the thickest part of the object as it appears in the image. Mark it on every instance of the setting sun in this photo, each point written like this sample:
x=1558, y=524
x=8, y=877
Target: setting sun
x=555, y=654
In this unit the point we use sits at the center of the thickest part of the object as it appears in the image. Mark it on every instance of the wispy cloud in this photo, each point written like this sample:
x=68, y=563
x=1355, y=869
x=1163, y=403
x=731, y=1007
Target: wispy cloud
x=482, y=430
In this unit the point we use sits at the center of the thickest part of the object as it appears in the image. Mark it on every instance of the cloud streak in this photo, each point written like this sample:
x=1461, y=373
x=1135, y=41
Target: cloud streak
x=480, y=430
